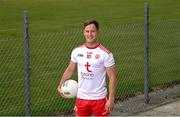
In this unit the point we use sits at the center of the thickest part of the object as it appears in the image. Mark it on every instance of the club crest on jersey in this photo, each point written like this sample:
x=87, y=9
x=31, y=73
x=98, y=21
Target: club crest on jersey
x=97, y=56
x=80, y=55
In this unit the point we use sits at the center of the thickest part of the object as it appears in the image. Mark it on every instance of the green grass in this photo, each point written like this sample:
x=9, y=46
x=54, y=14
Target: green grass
x=55, y=29
x=59, y=15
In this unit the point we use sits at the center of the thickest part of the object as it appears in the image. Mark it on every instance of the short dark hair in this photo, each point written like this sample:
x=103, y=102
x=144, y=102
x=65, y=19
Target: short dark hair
x=87, y=22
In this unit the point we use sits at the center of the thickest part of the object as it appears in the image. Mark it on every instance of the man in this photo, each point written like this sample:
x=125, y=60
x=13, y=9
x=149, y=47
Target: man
x=93, y=62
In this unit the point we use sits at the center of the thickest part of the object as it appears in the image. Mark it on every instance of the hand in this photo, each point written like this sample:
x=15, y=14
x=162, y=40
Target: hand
x=109, y=105
x=61, y=93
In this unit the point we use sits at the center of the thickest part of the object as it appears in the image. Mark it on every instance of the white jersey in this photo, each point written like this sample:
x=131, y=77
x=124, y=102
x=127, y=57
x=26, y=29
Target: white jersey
x=91, y=64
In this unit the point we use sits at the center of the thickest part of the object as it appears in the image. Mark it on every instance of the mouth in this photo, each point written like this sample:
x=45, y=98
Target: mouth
x=90, y=37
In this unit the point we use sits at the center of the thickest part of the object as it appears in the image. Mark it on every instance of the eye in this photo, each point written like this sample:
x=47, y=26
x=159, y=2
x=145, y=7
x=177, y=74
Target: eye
x=92, y=31
x=86, y=31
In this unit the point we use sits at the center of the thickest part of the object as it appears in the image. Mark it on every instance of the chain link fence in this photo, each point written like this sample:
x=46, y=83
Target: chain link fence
x=11, y=76
x=164, y=52
x=50, y=55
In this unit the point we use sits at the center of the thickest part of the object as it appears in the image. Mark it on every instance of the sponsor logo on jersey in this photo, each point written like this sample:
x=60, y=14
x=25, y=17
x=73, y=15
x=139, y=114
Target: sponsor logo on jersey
x=87, y=76
x=89, y=52
x=87, y=65
x=80, y=55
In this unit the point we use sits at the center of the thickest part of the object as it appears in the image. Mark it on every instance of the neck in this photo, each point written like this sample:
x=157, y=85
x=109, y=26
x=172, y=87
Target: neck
x=92, y=45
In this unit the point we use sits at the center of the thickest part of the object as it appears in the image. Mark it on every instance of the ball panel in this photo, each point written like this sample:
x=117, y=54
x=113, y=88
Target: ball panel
x=69, y=88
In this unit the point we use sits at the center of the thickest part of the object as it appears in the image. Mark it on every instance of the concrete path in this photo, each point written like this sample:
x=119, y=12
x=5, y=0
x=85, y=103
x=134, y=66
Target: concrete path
x=163, y=102
x=168, y=109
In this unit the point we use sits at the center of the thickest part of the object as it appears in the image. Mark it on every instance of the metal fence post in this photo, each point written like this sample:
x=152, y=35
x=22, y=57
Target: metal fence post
x=27, y=64
x=146, y=52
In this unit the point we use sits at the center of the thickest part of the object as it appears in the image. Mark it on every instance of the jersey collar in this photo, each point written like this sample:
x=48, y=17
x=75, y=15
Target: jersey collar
x=92, y=47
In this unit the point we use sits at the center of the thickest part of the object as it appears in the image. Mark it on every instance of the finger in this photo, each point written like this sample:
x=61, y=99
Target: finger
x=106, y=107
x=61, y=93
x=110, y=109
x=59, y=89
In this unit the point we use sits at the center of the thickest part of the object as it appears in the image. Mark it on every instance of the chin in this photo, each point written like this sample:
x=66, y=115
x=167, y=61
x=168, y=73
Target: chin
x=89, y=40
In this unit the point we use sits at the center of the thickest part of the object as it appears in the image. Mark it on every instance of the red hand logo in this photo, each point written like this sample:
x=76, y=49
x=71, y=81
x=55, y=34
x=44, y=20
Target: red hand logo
x=87, y=65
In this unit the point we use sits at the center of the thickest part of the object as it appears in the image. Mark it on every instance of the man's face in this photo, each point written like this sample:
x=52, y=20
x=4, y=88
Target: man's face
x=91, y=33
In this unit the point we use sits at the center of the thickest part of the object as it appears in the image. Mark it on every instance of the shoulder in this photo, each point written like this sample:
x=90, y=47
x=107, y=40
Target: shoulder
x=104, y=49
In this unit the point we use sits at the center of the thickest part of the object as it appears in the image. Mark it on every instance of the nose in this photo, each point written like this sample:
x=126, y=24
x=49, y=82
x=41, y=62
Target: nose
x=90, y=33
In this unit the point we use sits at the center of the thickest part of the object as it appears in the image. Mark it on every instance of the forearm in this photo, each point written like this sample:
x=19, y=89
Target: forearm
x=112, y=88
x=67, y=75
x=111, y=71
